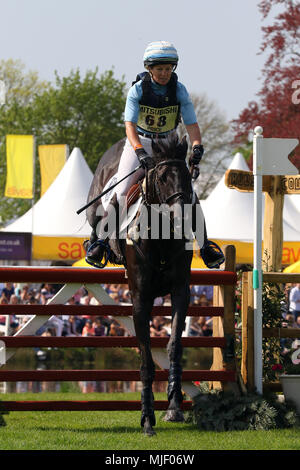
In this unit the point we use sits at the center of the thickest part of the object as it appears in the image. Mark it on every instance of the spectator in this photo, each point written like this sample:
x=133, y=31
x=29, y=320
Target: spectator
x=115, y=329
x=115, y=296
x=98, y=327
x=195, y=328
x=8, y=290
x=295, y=301
x=205, y=327
x=289, y=321
x=70, y=327
x=24, y=293
x=47, y=291
x=88, y=329
x=157, y=327
x=125, y=297
x=198, y=291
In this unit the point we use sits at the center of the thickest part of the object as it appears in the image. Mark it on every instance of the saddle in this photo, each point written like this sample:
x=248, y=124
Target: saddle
x=132, y=196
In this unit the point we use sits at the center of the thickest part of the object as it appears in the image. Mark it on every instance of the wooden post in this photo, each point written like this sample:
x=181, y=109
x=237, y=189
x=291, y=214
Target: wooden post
x=273, y=226
x=225, y=295
x=217, y=331
x=247, y=366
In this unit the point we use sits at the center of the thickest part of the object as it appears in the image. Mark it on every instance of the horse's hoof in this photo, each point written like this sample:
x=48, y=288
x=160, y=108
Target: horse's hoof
x=148, y=429
x=149, y=432
x=174, y=415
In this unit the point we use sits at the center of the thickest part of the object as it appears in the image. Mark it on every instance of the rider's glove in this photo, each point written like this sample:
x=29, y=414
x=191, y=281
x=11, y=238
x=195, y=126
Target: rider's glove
x=145, y=160
x=196, y=156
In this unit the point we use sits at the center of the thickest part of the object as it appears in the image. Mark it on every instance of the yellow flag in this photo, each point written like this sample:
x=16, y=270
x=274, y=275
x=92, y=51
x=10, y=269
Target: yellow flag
x=52, y=158
x=19, y=158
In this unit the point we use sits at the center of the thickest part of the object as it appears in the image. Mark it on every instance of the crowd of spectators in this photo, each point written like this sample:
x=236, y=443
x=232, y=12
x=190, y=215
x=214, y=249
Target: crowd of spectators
x=85, y=325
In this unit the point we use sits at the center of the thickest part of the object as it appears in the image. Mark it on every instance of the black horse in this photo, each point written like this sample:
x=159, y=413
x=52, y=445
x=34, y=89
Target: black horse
x=160, y=266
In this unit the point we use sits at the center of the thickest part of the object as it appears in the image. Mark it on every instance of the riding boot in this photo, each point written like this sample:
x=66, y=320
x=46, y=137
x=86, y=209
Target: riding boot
x=211, y=253
x=98, y=251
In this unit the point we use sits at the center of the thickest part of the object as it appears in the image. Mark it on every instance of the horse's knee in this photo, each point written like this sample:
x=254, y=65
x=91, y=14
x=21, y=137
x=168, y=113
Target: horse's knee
x=174, y=349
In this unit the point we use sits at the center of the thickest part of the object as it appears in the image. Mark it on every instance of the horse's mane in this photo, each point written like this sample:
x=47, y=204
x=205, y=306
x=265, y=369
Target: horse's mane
x=169, y=148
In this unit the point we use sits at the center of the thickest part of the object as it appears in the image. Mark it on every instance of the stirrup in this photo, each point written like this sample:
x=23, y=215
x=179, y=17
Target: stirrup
x=106, y=254
x=212, y=264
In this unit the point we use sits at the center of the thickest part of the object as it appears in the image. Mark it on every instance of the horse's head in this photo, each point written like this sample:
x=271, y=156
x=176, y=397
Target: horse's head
x=170, y=180
x=169, y=183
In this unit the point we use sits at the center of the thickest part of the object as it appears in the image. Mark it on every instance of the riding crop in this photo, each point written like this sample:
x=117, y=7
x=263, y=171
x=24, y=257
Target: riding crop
x=107, y=190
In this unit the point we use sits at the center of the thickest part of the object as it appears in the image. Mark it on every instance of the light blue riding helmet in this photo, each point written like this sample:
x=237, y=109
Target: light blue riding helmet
x=159, y=52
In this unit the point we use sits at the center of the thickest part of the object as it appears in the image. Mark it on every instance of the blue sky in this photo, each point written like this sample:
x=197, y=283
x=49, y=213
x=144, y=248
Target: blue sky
x=217, y=41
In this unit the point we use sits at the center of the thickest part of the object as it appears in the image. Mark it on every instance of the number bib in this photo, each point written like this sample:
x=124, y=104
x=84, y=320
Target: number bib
x=158, y=120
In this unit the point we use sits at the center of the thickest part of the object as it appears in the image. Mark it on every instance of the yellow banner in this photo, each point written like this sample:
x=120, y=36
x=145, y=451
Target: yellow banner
x=19, y=158
x=52, y=159
x=71, y=249
x=57, y=248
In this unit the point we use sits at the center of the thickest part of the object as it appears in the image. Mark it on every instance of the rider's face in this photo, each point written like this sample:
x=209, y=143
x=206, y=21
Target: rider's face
x=161, y=73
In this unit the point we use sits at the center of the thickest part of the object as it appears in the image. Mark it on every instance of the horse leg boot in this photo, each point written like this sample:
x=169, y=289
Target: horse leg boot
x=180, y=302
x=175, y=397
x=147, y=371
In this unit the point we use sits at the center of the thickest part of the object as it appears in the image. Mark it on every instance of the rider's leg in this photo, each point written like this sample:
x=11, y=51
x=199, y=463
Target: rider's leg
x=128, y=162
x=211, y=253
x=98, y=245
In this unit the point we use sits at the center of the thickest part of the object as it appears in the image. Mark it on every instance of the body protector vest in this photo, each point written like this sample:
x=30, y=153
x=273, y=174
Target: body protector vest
x=158, y=113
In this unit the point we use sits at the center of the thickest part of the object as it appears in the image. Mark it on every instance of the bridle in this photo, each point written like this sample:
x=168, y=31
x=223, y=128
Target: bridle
x=145, y=201
x=177, y=194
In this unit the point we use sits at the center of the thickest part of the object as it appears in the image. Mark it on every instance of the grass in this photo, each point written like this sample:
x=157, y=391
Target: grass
x=116, y=430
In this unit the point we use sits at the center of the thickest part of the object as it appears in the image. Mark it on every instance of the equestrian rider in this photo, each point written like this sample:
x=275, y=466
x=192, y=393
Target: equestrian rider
x=154, y=107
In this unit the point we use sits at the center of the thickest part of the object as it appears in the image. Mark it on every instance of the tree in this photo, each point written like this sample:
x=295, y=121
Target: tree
x=278, y=109
x=21, y=88
x=217, y=143
x=80, y=112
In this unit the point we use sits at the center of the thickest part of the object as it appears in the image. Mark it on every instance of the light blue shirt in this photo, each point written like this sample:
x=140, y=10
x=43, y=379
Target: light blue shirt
x=135, y=93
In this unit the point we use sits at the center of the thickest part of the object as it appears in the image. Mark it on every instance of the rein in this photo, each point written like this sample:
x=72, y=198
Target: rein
x=163, y=264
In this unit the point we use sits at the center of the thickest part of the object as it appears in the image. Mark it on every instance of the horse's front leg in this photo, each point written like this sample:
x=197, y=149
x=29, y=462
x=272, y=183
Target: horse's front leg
x=180, y=302
x=141, y=316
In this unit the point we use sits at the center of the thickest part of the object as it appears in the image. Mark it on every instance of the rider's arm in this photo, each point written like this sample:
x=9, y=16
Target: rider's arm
x=132, y=134
x=188, y=115
x=132, y=110
x=194, y=133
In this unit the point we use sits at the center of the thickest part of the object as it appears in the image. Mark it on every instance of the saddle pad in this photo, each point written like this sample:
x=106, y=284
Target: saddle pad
x=106, y=199
x=131, y=213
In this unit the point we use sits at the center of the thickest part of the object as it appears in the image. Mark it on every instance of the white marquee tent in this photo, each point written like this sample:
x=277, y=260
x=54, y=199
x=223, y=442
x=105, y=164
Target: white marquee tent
x=229, y=216
x=58, y=231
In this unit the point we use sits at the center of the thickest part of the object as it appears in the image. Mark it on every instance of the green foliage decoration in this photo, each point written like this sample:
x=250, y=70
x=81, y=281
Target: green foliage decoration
x=273, y=302
x=216, y=410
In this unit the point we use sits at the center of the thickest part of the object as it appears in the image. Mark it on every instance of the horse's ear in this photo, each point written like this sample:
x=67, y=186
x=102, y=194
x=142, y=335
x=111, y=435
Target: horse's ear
x=184, y=142
x=182, y=147
x=155, y=147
